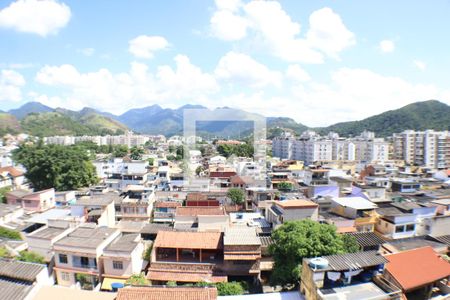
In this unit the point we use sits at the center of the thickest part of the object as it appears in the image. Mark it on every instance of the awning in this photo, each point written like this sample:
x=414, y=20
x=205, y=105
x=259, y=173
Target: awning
x=106, y=284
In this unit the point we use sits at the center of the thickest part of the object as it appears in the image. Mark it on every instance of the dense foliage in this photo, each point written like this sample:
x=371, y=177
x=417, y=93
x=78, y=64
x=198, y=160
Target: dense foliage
x=236, y=195
x=430, y=114
x=30, y=256
x=9, y=234
x=55, y=166
x=136, y=153
x=229, y=288
x=3, y=191
x=137, y=279
x=295, y=240
x=285, y=186
x=242, y=150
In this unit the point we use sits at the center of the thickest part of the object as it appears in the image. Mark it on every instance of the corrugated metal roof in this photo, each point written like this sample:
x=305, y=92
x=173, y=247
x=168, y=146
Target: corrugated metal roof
x=241, y=236
x=13, y=290
x=352, y=261
x=367, y=239
x=20, y=270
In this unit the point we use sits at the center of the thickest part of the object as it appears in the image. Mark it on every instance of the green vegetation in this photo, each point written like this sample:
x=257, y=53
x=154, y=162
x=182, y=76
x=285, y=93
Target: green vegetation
x=242, y=150
x=3, y=191
x=176, y=153
x=350, y=243
x=171, y=283
x=8, y=124
x=296, y=240
x=55, y=166
x=136, y=153
x=151, y=161
x=30, y=256
x=4, y=253
x=137, y=279
x=147, y=253
x=198, y=170
x=9, y=234
x=285, y=186
x=236, y=195
x=430, y=114
x=230, y=288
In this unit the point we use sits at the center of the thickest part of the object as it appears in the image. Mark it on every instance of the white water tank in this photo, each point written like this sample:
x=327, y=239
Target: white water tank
x=318, y=263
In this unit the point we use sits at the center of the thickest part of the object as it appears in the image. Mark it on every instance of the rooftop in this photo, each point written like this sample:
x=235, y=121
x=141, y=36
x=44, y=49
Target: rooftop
x=296, y=203
x=154, y=228
x=20, y=270
x=98, y=200
x=355, y=203
x=168, y=204
x=47, y=233
x=191, y=240
x=12, y=171
x=86, y=237
x=241, y=236
x=414, y=243
x=200, y=211
x=14, y=291
x=353, y=261
x=418, y=267
x=367, y=239
x=167, y=293
x=124, y=243
x=6, y=209
x=58, y=292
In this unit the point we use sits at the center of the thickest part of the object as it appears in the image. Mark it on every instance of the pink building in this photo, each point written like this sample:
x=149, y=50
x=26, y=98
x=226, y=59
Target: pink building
x=32, y=201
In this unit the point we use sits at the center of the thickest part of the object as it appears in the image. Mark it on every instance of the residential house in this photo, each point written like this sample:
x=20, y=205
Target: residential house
x=405, y=186
x=368, y=241
x=137, y=204
x=186, y=257
x=201, y=199
x=394, y=224
x=11, y=177
x=347, y=276
x=122, y=258
x=42, y=240
x=32, y=201
x=423, y=212
x=420, y=273
x=98, y=209
x=10, y=212
x=65, y=198
x=399, y=245
x=241, y=252
x=357, y=208
x=77, y=256
x=290, y=210
x=164, y=211
x=201, y=218
x=22, y=280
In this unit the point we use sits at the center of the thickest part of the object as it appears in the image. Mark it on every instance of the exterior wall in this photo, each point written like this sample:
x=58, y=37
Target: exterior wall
x=12, y=216
x=388, y=229
x=132, y=263
x=301, y=213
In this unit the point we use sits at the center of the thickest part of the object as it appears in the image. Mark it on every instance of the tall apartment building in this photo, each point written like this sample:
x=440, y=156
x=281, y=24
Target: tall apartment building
x=423, y=148
x=311, y=147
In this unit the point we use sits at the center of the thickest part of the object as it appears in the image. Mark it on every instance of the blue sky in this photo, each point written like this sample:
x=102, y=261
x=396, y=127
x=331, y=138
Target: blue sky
x=318, y=62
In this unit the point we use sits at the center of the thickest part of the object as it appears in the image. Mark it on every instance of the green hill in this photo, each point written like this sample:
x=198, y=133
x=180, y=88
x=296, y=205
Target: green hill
x=9, y=124
x=430, y=114
x=56, y=123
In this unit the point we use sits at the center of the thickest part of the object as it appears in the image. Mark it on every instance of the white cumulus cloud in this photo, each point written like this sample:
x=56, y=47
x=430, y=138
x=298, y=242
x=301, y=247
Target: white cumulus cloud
x=420, y=65
x=145, y=46
x=242, y=69
x=42, y=17
x=268, y=23
x=10, y=85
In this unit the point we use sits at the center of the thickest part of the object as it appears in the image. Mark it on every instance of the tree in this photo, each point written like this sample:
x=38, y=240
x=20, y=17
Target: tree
x=350, y=243
x=285, y=186
x=30, y=256
x=3, y=191
x=198, y=170
x=120, y=151
x=137, y=279
x=9, y=234
x=229, y=288
x=295, y=240
x=236, y=195
x=56, y=166
x=151, y=161
x=136, y=153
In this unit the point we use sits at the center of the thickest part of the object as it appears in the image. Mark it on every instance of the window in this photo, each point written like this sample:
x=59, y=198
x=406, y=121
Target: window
x=65, y=276
x=118, y=265
x=63, y=258
x=410, y=227
x=399, y=229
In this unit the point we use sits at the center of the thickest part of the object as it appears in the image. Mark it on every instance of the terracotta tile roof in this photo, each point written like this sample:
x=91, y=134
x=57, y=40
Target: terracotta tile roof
x=300, y=203
x=167, y=293
x=169, y=204
x=346, y=229
x=191, y=240
x=200, y=211
x=241, y=179
x=418, y=267
x=12, y=171
x=185, y=276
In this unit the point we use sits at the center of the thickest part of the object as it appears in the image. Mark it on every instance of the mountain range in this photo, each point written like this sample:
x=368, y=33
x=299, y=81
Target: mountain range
x=41, y=120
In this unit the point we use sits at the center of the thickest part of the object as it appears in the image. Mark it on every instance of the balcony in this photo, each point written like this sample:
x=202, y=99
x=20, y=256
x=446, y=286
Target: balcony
x=86, y=263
